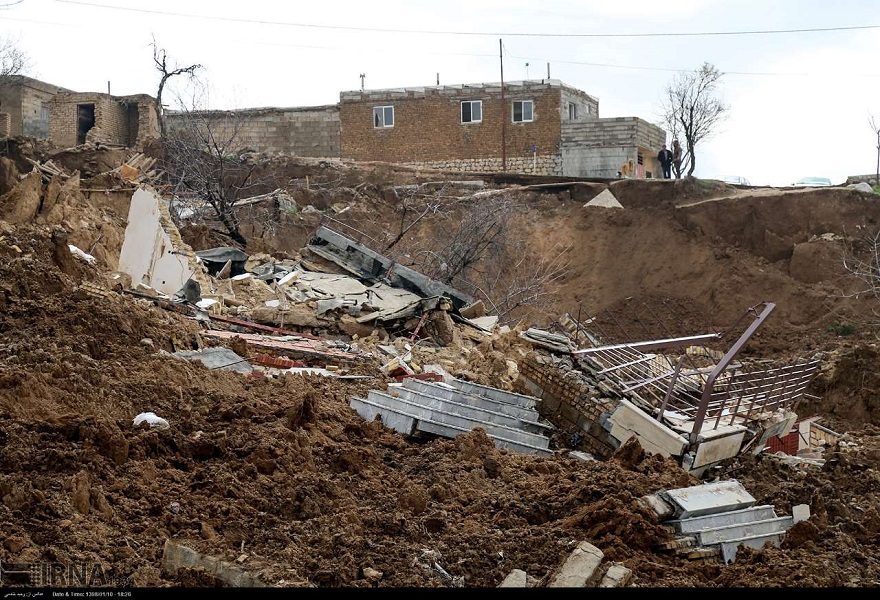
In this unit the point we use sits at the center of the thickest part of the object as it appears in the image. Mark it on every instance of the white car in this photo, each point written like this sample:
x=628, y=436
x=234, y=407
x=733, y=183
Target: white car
x=735, y=180
x=812, y=182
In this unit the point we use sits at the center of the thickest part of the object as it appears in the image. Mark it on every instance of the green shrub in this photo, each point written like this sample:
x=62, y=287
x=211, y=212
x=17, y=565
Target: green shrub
x=842, y=329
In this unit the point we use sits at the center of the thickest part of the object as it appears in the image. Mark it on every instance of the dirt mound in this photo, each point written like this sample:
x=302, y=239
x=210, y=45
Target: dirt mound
x=280, y=477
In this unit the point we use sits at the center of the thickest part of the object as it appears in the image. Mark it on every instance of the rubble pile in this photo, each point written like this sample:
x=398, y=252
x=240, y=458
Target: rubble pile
x=182, y=416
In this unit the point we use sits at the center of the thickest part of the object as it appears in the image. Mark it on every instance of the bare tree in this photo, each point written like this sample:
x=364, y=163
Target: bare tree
x=207, y=163
x=691, y=110
x=13, y=60
x=861, y=259
x=166, y=72
x=514, y=283
x=876, y=129
x=413, y=208
x=455, y=250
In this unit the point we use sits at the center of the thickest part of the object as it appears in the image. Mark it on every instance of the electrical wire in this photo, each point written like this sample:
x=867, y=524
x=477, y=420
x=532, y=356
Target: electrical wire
x=474, y=33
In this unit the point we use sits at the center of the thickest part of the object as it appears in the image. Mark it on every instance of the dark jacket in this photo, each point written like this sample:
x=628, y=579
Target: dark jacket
x=665, y=157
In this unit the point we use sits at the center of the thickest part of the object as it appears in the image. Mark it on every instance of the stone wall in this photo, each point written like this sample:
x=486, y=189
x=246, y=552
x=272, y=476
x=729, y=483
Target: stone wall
x=529, y=165
x=569, y=399
x=600, y=147
x=310, y=131
x=428, y=128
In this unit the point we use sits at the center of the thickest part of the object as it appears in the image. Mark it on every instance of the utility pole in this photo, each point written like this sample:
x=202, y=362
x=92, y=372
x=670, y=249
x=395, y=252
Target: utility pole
x=503, y=110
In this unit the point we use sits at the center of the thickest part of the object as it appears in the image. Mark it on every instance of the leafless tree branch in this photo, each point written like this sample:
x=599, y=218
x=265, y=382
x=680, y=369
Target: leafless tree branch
x=166, y=72
x=691, y=110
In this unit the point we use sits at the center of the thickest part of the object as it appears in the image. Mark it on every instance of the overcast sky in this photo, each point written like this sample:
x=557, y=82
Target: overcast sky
x=800, y=102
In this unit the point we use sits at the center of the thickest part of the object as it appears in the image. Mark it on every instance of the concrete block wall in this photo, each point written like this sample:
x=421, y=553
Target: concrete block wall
x=616, y=131
x=587, y=106
x=591, y=161
x=568, y=397
x=23, y=98
x=428, y=128
x=33, y=122
x=311, y=131
x=599, y=148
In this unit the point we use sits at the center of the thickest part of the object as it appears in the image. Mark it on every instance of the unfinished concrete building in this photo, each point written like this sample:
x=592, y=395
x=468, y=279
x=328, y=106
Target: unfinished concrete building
x=127, y=121
x=541, y=127
x=25, y=106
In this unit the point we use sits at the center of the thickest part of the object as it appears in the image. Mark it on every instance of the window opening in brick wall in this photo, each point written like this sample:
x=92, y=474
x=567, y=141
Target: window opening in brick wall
x=572, y=111
x=85, y=120
x=383, y=116
x=472, y=111
x=640, y=159
x=523, y=111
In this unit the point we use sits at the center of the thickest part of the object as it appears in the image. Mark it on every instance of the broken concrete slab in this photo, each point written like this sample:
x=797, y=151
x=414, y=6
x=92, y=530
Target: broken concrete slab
x=372, y=266
x=628, y=420
x=604, y=199
x=552, y=341
x=292, y=344
x=218, y=358
x=515, y=579
x=709, y=498
x=580, y=568
x=176, y=556
x=616, y=576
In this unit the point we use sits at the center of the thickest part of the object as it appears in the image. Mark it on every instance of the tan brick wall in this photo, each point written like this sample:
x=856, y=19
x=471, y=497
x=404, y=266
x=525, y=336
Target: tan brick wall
x=428, y=128
x=63, y=122
x=117, y=120
x=5, y=123
x=568, y=399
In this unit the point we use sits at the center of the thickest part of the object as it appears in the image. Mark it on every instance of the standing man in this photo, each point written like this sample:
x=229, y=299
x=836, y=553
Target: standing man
x=665, y=159
x=676, y=158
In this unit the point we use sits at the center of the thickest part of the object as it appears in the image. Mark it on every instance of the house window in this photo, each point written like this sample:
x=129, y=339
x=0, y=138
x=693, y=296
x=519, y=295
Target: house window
x=522, y=111
x=572, y=111
x=44, y=113
x=383, y=116
x=471, y=111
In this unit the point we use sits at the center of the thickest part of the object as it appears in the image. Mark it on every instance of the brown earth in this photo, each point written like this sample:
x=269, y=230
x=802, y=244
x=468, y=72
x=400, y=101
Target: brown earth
x=283, y=477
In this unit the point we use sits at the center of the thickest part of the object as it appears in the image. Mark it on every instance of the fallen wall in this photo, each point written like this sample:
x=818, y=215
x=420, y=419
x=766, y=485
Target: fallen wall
x=153, y=253
x=566, y=398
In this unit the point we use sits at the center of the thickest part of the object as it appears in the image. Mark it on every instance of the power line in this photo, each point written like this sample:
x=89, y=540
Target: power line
x=475, y=33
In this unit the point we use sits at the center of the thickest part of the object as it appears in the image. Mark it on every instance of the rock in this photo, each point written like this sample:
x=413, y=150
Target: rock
x=372, y=575
x=516, y=578
x=616, y=576
x=15, y=543
x=579, y=568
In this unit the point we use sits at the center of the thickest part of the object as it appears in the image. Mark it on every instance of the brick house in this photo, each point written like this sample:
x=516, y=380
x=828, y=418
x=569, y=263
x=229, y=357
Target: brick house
x=77, y=118
x=541, y=127
x=34, y=108
x=24, y=106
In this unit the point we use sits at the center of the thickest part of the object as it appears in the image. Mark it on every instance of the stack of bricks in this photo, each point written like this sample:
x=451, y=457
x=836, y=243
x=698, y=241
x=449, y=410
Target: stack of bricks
x=5, y=123
x=570, y=398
